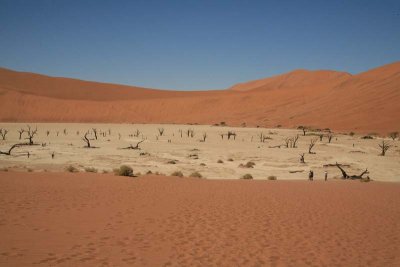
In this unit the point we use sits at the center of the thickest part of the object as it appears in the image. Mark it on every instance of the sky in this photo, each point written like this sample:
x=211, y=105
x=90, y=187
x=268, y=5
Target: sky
x=195, y=45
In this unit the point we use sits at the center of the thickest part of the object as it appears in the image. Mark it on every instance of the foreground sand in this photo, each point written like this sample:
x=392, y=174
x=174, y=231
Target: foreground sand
x=82, y=219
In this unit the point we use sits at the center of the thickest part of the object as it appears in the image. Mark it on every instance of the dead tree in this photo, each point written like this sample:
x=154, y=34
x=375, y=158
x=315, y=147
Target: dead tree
x=31, y=134
x=20, y=133
x=394, y=135
x=94, y=132
x=134, y=147
x=294, y=140
x=87, y=141
x=136, y=133
x=65, y=131
x=204, y=137
x=181, y=132
x=302, y=158
x=287, y=141
x=320, y=137
x=231, y=134
x=311, y=145
x=330, y=136
x=47, y=132
x=384, y=147
x=3, y=133
x=8, y=153
x=161, y=131
x=190, y=133
x=346, y=176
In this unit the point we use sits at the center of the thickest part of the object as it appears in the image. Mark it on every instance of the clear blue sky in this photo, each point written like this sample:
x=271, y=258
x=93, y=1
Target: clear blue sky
x=200, y=44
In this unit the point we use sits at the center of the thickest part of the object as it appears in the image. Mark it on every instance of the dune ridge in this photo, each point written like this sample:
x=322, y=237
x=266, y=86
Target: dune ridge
x=365, y=102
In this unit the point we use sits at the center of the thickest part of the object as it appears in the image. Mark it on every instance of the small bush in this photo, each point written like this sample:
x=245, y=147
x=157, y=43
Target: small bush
x=104, y=171
x=124, y=170
x=29, y=170
x=196, y=175
x=149, y=172
x=230, y=159
x=247, y=176
x=351, y=133
x=367, y=137
x=90, y=169
x=177, y=173
x=272, y=178
x=220, y=161
x=202, y=164
x=171, y=162
x=71, y=168
x=5, y=169
x=249, y=164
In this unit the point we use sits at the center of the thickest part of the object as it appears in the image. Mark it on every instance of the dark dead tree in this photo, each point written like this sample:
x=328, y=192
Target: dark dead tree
x=294, y=141
x=65, y=131
x=330, y=136
x=87, y=141
x=161, y=131
x=384, y=147
x=136, y=133
x=287, y=141
x=302, y=158
x=58, y=133
x=304, y=129
x=181, y=132
x=204, y=137
x=230, y=133
x=261, y=137
x=94, y=132
x=134, y=147
x=190, y=133
x=394, y=135
x=320, y=137
x=20, y=133
x=8, y=153
x=47, y=132
x=31, y=134
x=311, y=145
x=3, y=133
x=119, y=136
x=346, y=176
x=109, y=131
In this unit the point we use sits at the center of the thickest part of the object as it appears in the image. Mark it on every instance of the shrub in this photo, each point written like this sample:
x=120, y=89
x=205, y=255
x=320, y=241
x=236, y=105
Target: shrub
x=247, y=176
x=71, y=168
x=5, y=169
x=351, y=133
x=202, y=164
x=367, y=137
x=220, y=161
x=196, y=175
x=249, y=164
x=171, y=162
x=90, y=169
x=272, y=178
x=124, y=170
x=30, y=170
x=149, y=172
x=104, y=171
x=177, y=173
x=230, y=159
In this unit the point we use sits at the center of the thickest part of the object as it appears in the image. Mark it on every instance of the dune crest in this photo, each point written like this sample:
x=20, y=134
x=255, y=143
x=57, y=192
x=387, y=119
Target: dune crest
x=366, y=102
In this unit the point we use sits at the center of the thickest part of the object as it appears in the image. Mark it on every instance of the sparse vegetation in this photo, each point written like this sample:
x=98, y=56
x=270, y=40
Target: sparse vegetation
x=247, y=176
x=177, y=173
x=220, y=161
x=71, y=168
x=90, y=169
x=394, y=135
x=196, y=175
x=124, y=170
x=272, y=178
x=384, y=147
x=249, y=164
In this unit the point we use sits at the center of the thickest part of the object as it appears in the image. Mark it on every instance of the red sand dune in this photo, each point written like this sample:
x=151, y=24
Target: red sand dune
x=64, y=219
x=366, y=102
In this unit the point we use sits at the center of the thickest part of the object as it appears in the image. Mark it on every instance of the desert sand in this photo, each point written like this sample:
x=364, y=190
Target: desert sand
x=67, y=219
x=363, y=103
x=215, y=158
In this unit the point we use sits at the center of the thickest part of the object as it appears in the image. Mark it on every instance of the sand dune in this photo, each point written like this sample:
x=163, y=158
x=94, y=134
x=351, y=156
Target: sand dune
x=63, y=219
x=366, y=102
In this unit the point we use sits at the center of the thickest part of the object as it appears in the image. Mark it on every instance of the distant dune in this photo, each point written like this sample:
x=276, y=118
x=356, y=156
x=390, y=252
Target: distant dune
x=366, y=102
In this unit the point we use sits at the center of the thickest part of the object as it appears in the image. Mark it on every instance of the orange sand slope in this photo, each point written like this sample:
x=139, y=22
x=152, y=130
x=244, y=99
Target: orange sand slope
x=95, y=219
x=366, y=102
